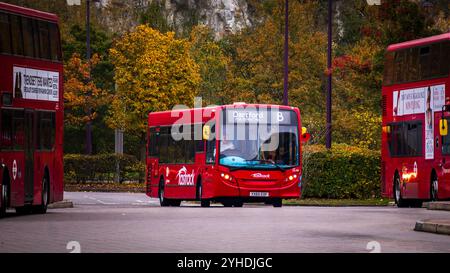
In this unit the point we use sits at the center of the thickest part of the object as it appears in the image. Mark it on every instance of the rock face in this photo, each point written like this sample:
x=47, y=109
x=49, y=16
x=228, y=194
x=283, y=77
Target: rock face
x=221, y=16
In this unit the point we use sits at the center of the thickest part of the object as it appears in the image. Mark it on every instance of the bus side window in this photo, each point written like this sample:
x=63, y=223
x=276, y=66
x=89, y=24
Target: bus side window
x=6, y=130
x=5, y=34
x=446, y=145
x=19, y=130
x=211, y=147
x=46, y=129
x=44, y=40
x=17, y=39
x=54, y=42
x=153, y=142
x=197, y=137
x=28, y=39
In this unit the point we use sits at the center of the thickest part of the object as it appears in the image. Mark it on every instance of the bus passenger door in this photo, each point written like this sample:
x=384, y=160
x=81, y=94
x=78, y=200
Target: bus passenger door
x=29, y=155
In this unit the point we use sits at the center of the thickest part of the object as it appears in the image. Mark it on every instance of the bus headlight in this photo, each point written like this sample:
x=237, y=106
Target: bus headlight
x=226, y=177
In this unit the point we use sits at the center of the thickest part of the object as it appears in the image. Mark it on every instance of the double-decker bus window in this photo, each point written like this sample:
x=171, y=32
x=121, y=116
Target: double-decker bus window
x=28, y=39
x=400, y=66
x=426, y=62
x=388, y=68
x=417, y=63
x=405, y=139
x=18, y=130
x=412, y=58
x=44, y=40
x=46, y=121
x=211, y=147
x=54, y=42
x=6, y=130
x=5, y=34
x=16, y=34
x=446, y=144
x=444, y=59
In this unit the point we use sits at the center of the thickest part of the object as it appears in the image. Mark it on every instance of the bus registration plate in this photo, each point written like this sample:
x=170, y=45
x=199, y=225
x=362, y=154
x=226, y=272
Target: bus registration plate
x=259, y=194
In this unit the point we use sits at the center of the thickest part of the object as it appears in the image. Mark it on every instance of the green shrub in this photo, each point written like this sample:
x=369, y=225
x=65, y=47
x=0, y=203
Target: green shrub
x=102, y=167
x=343, y=172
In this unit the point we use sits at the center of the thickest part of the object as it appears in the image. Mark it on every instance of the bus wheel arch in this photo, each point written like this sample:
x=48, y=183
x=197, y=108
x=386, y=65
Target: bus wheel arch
x=434, y=186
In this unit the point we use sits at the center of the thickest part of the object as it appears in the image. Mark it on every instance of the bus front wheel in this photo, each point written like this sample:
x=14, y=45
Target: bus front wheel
x=162, y=200
x=203, y=202
x=277, y=203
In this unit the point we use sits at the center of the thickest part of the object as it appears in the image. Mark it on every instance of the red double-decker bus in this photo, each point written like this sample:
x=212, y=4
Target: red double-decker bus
x=230, y=154
x=31, y=110
x=415, y=150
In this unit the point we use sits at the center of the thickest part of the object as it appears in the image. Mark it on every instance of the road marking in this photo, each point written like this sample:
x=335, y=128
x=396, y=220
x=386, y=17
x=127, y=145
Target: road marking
x=102, y=202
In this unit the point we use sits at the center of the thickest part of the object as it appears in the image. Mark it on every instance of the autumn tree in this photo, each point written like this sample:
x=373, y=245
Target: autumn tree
x=81, y=93
x=153, y=72
x=257, y=61
x=213, y=65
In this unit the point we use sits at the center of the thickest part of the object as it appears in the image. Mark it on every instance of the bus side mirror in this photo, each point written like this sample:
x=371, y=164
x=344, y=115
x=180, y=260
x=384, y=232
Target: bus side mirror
x=305, y=135
x=443, y=127
x=206, y=132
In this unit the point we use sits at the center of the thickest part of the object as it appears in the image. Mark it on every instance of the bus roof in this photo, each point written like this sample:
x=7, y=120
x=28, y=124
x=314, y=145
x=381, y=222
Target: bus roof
x=28, y=12
x=419, y=42
x=226, y=106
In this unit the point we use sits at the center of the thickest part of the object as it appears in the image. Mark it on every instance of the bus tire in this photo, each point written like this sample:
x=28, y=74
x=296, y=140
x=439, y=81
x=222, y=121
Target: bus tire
x=401, y=203
x=25, y=210
x=45, y=196
x=204, y=203
x=434, y=187
x=162, y=201
x=227, y=204
x=277, y=202
x=175, y=202
x=4, y=197
x=238, y=203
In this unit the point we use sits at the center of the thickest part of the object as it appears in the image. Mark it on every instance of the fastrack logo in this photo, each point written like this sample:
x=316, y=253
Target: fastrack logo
x=260, y=175
x=184, y=178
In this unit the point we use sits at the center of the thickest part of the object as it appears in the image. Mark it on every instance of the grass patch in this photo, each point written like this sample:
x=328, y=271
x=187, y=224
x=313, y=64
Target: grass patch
x=336, y=202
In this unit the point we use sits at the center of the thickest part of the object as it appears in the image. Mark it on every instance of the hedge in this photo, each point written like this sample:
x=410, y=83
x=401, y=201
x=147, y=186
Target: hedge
x=102, y=168
x=343, y=172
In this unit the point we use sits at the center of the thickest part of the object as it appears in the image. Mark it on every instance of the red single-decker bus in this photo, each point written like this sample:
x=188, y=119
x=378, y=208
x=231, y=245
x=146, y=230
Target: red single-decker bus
x=229, y=154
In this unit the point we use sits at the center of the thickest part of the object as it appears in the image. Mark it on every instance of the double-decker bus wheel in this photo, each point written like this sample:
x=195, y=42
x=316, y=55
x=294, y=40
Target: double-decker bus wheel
x=45, y=197
x=4, y=198
x=162, y=201
x=434, y=187
x=401, y=203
